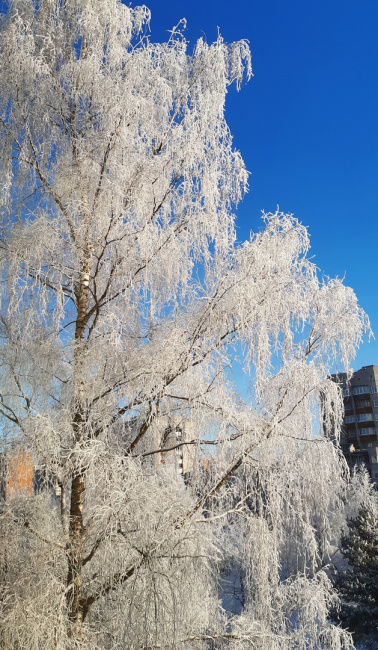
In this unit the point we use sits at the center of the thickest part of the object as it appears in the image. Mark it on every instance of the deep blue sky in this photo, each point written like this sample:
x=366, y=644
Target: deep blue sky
x=306, y=123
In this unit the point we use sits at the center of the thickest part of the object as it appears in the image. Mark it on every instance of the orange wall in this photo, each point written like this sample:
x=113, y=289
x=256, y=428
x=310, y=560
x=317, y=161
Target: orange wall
x=19, y=473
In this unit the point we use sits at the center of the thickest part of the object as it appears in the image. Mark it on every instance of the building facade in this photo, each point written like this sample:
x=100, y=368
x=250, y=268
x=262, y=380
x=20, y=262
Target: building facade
x=16, y=475
x=359, y=436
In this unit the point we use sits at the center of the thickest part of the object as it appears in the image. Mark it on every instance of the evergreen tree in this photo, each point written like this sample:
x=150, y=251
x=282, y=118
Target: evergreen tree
x=358, y=585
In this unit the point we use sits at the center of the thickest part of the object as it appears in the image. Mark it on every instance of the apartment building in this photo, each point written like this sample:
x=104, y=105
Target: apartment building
x=170, y=446
x=20, y=477
x=359, y=436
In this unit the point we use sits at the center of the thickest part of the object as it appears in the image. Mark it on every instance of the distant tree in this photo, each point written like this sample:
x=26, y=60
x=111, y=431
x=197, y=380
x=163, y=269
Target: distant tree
x=360, y=547
x=358, y=583
x=124, y=305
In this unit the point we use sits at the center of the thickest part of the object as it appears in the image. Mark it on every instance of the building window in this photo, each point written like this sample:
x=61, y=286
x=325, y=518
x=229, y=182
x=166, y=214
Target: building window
x=361, y=403
x=367, y=431
x=374, y=389
x=369, y=444
x=375, y=403
x=346, y=392
x=361, y=390
x=365, y=417
x=350, y=418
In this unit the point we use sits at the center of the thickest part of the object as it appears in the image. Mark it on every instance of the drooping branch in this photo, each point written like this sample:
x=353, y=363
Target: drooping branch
x=43, y=538
x=116, y=581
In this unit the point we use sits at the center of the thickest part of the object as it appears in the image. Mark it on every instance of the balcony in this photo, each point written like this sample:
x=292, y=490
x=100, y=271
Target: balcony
x=357, y=457
x=365, y=420
x=361, y=390
x=372, y=432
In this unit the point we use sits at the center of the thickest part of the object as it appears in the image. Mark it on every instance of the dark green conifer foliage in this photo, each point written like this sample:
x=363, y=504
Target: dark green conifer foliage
x=358, y=585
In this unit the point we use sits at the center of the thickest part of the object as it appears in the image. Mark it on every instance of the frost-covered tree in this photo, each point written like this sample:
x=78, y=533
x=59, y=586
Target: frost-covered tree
x=125, y=303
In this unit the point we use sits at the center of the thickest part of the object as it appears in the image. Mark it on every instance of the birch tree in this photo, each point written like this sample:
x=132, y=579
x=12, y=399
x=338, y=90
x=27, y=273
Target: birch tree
x=125, y=305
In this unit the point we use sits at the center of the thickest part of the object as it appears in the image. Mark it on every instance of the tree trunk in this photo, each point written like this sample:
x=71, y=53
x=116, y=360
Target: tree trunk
x=76, y=536
x=76, y=520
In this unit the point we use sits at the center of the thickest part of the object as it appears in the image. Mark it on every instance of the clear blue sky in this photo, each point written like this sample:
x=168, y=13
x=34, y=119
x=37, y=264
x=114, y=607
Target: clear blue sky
x=306, y=123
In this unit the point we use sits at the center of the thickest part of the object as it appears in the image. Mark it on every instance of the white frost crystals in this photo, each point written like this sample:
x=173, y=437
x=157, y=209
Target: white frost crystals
x=124, y=303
